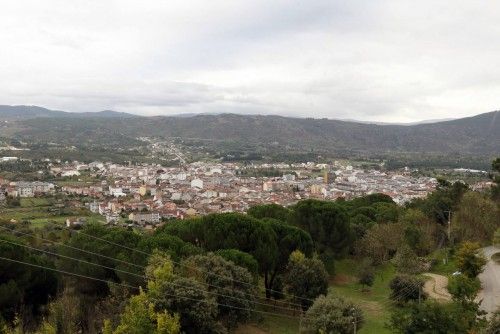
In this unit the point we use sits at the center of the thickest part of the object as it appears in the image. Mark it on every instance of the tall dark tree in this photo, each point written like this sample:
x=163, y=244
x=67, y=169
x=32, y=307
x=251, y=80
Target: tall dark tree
x=273, y=211
x=232, y=286
x=24, y=289
x=305, y=279
x=328, y=225
x=289, y=239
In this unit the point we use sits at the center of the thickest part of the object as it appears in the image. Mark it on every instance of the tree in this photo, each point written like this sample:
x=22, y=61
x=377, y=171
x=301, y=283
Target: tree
x=495, y=190
x=332, y=314
x=305, y=279
x=268, y=241
x=230, y=231
x=440, y=202
x=381, y=242
x=288, y=239
x=405, y=288
x=433, y=318
x=360, y=224
x=463, y=288
x=232, y=286
x=63, y=315
x=406, y=261
x=386, y=212
x=184, y=296
x=496, y=238
x=140, y=317
x=241, y=259
x=273, y=211
x=89, y=240
x=470, y=259
x=476, y=219
x=190, y=299
x=24, y=290
x=328, y=225
x=366, y=276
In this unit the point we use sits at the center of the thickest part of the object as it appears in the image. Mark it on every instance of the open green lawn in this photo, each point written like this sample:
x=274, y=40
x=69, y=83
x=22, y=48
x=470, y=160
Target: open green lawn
x=375, y=303
x=443, y=265
x=36, y=211
x=35, y=202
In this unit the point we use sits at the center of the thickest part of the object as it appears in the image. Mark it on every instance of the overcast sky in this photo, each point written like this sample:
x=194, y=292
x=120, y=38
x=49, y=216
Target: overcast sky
x=393, y=61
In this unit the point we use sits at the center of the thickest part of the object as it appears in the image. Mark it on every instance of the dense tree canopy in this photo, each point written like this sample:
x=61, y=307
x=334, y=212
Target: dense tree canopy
x=24, y=289
x=328, y=225
x=476, y=219
x=273, y=211
x=332, y=314
x=305, y=279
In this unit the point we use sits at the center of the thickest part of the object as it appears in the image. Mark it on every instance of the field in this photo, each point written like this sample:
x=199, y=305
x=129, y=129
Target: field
x=40, y=211
x=375, y=303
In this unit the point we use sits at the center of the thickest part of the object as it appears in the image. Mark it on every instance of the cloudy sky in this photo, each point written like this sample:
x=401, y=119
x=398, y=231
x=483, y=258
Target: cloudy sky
x=393, y=61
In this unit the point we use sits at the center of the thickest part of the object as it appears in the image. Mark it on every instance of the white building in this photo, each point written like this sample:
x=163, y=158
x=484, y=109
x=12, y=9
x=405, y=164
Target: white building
x=197, y=183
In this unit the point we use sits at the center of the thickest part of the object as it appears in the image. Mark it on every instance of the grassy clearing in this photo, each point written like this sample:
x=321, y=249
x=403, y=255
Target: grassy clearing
x=35, y=202
x=443, y=265
x=375, y=303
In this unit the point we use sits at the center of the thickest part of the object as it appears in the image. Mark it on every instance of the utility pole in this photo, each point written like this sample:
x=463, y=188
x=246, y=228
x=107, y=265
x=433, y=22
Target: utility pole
x=449, y=235
x=449, y=226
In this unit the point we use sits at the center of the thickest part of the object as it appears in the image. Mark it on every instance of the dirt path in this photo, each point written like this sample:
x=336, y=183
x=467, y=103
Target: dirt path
x=435, y=287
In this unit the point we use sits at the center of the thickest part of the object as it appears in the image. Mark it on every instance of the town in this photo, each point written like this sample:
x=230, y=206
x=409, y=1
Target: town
x=147, y=195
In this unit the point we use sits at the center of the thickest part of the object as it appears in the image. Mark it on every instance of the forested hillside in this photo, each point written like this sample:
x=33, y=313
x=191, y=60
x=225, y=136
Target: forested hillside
x=478, y=135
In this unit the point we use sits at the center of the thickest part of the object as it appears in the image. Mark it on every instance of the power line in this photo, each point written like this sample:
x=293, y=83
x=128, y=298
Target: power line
x=125, y=262
x=188, y=267
x=69, y=246
x=387, y=302
x=146, y=277
x=137, y=288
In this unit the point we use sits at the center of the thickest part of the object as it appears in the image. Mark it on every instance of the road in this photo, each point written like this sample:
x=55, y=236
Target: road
x=490, y=281
x=435, y=287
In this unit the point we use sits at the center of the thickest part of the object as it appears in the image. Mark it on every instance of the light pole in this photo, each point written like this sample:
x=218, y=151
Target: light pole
x=449, y=234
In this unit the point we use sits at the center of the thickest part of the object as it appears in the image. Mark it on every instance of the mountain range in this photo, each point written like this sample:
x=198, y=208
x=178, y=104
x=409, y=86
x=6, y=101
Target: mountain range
x=477, y=135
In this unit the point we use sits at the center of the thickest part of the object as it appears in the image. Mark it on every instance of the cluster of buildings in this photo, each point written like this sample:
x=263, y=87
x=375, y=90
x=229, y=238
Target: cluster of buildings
x=147, y=194
x=25, y=189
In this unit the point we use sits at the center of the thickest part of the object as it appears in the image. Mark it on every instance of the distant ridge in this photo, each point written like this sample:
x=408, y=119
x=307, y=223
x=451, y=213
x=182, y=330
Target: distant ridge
x=27, y=112
x=476, y=135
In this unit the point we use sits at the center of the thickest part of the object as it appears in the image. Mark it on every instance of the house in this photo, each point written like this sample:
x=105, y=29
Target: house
x=94, y=207
x=112, y=218
x=197, y=183
x=145, y=217
x=76, y=223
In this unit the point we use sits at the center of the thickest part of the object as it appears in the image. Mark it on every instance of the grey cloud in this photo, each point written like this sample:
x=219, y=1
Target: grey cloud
x=375, y=60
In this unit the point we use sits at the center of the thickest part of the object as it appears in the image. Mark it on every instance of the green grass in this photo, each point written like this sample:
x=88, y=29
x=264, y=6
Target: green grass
x=34, y=202
x=375, y=303
x=281, y=325
x=444, y=266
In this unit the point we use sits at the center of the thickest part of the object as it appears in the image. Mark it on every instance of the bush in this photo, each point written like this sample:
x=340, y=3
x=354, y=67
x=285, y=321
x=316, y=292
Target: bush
x=405, y=288
x=332, y=314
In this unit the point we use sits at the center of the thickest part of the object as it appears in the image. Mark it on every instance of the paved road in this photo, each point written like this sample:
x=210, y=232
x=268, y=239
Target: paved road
x=490, y=281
